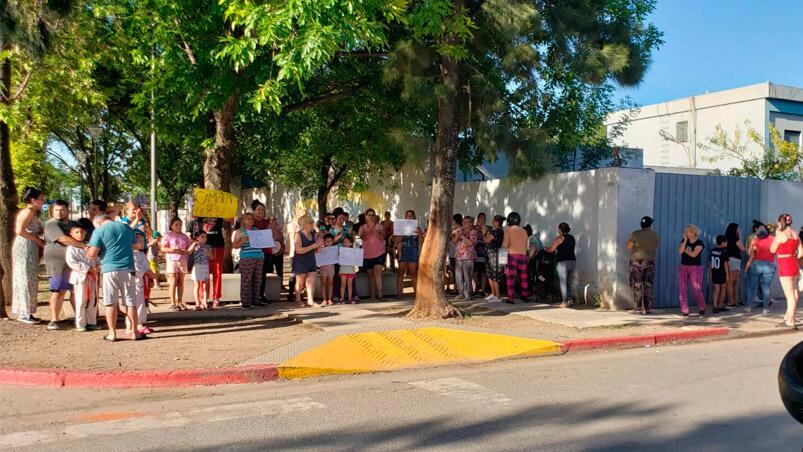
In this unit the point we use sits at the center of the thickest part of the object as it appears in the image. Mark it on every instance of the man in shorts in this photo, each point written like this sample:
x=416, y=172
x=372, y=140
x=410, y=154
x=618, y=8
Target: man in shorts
x=113, y=242
x=57, y=239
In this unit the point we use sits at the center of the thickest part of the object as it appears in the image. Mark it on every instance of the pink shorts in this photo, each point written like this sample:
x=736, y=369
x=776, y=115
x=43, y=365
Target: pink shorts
x=175, y=267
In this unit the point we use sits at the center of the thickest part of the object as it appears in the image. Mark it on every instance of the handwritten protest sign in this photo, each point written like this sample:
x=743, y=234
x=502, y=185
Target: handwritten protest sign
x=405, y=227
x=350, y=256
x=326, y=256
x=213, y=203
x=262, y=238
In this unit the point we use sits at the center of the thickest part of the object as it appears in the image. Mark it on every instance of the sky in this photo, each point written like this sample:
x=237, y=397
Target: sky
x=713, y=45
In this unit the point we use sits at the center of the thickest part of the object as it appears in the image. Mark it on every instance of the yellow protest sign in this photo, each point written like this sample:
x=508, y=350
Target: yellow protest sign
x=213, y=203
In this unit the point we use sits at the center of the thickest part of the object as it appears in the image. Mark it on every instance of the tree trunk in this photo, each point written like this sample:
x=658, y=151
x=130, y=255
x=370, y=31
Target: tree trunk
x=323, y=187
x=217, y=161
x=8, y=193
x=430, y=300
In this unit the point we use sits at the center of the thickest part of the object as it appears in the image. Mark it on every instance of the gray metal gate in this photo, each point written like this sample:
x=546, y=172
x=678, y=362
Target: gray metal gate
x=710, y=202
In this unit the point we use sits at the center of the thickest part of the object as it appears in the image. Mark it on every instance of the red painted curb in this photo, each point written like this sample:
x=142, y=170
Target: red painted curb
x=646, y=339
x=139, y=379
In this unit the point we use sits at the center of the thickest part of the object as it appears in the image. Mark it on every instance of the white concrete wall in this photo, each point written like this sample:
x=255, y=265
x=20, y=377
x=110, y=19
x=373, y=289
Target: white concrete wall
x=644, y=132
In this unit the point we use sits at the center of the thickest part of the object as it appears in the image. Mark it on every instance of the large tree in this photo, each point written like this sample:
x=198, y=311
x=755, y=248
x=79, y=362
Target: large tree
x=28, y=31
x=495, y=70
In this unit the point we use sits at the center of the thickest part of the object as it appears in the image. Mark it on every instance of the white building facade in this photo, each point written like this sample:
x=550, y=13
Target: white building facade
x=676, y=134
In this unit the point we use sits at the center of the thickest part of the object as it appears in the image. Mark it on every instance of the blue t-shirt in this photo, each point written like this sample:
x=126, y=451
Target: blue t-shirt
x=115, y=241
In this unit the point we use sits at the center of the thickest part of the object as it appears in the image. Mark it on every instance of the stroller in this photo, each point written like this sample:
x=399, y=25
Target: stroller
x=543, y=277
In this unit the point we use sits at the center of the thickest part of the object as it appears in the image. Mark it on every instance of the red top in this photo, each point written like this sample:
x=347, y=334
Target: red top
x=763, y=252
x=788, y=247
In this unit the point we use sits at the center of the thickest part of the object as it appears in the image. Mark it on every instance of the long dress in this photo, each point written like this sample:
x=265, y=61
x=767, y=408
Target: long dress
x=25, y=274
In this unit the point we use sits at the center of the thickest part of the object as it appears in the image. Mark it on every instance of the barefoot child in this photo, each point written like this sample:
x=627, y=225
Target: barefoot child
x=84, y=278
x=719, y=273
x=347, y=276
x=200, y=270
x=142, y=270
x=327, y=274
x=175, y=245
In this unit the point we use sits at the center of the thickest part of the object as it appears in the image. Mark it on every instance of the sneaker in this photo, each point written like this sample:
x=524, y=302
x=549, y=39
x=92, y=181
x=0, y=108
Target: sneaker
x=36, y=319
x=31, y=320
x=489, y=298
x=765, y=311
x=53, y=326
x=459, y=297
x=715, y=310
x=246, y=306
x=494, y=299
x=748, y=309
x=80, y=329
x=702, y=312
x=725, y=309
x=93, y=327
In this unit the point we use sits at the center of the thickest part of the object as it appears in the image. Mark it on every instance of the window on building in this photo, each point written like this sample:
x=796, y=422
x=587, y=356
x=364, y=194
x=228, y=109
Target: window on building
x=792, y=136
x=682, y=131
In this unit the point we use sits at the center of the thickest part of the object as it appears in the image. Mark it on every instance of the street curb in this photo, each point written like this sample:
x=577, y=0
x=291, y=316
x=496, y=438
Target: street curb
x=642, y=340
x=139, y=379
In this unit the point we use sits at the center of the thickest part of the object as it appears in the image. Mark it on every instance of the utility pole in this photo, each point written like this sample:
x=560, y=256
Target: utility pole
x=153, y=153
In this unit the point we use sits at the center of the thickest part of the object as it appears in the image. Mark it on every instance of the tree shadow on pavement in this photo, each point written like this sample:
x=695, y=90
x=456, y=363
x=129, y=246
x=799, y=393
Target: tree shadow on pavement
x=586, y=426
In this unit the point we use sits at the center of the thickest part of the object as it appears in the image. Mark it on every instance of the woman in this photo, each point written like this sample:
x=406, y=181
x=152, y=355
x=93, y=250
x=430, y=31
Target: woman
x=261, y=223
x=304, y=268
x=735, y=248
x=496, y=273
x=407, y=250
x=760, y=268
x=691, y=269
x=28, y=243
x=372, y=235
x=787, y=246
x=481, y=262
x=563, y=246
x=250, y=262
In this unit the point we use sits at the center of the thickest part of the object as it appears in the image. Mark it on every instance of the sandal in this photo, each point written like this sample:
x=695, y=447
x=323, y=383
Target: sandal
x=107, y=338
x=182, y=307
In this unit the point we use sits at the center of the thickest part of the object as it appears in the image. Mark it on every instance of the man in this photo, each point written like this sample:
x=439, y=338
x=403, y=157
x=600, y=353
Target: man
x=96, y=207
x=643, y=245
x=113, y=242
x=57, y=239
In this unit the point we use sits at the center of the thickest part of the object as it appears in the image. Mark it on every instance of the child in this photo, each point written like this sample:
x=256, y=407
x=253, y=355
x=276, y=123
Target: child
x=175, y=246
x=719, y=273
x=200, y=270
x=327, y=274
x=84, y=278
x=347, y=276
x=142, y=270
x=250, y=263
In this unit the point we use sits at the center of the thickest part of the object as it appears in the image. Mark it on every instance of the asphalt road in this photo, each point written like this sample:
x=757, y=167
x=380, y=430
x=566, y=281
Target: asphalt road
x=708, y=396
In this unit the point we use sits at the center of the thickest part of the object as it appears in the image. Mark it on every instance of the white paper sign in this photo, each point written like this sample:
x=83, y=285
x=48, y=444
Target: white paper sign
x=350, y=256
x=405, y=227
x=261, y=238
x=502, y=256
x=326, y=256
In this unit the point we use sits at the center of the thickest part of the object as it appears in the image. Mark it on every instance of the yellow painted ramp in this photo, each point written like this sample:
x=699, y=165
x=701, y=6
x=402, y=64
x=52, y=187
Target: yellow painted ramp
x=398, y=349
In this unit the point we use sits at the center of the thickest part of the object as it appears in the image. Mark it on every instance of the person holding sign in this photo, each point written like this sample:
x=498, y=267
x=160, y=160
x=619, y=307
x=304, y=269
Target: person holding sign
x=407, y=249
x=347, y=276
x=250, y=262
x=261, y=223
x=327, y=273
x=387, y=224
x=304, y=267
x=373, y=243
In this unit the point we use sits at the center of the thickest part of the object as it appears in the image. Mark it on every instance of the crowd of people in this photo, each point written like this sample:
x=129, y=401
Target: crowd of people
x=769, y=249
x=117, y=251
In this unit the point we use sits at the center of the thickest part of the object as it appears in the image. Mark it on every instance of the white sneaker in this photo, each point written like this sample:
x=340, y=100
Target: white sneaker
x=765, y=311
x=494, y=299
x=490, y=297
